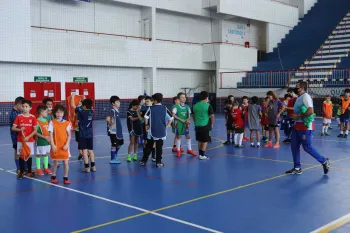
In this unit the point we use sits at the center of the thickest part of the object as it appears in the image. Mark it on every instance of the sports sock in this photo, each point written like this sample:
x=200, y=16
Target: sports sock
x=341, y=132
x=347, y=132
x=240, y=138
x=37, y=162
x=153, y=152
x=113, y=153
x=178, y=145
x=29, y=164
x=189, y=146
x=236, y=139
x=228, y=137
x=323, y=128
x=46, y=162
x=326, y=129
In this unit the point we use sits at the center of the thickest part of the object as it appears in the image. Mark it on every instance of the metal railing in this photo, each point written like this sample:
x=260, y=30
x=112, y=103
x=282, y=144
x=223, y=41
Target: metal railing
x=284, y=78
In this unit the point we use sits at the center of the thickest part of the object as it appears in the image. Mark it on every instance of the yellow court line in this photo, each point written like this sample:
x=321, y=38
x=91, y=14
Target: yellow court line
x=333, y=225
x=195, y=199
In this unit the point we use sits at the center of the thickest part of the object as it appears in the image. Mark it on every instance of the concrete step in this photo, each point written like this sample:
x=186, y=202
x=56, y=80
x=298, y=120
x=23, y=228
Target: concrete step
x=317, y=67
x=327, y=51
x=338, y=36
x=315, y=73
x=336, y=41
x=343, y=26
x=338, y=46
x=322, y=62
x=319, y=56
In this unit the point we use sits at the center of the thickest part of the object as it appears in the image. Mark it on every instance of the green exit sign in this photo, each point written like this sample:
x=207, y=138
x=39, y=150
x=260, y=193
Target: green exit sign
x=80, y=79
x=42, y=79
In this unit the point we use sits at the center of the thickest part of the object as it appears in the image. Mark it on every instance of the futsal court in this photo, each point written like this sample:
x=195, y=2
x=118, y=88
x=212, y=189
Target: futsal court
x=236, y=190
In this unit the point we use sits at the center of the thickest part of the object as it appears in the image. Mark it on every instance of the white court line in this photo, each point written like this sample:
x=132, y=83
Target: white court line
x=125, y=205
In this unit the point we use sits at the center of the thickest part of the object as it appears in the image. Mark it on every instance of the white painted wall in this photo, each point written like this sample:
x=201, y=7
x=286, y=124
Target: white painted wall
x=274, y=34
x=113, y=62
x=89, y=49
x=303, y=5
x=236, y=57
x=15, y=41
x=262, y=10
x=101, y=16
x=176, y=79
x=239, y=31
x=180, y=27
x=180, y=56
x=108, y=80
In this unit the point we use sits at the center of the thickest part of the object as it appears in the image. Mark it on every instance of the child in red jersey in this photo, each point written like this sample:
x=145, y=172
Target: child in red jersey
x=238, y=125
x=244, y=109
x=25, y=125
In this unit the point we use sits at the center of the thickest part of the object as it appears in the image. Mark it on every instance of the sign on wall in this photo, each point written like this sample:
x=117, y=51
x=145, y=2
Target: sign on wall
x=240, y=30
x=42, y=79
x=80, y=79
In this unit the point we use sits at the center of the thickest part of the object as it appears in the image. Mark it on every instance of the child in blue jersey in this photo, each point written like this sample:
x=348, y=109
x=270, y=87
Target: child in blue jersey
x=156, y=122
x=133, y=121
x=85, y=117
x=16, y=110
x=114, y=129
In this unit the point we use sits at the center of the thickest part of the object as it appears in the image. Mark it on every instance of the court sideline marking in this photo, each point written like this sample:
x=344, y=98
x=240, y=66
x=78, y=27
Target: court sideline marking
x=197, y=199
x=125, y=205
x=145, y=212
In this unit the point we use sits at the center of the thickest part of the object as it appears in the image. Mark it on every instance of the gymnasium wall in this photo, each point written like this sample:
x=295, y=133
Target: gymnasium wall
x=274, y=34
x=239, y=30
x=103, y=47
x=180, y=27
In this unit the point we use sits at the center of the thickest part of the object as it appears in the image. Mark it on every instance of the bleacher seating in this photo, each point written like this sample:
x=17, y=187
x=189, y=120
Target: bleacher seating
x=322, y=37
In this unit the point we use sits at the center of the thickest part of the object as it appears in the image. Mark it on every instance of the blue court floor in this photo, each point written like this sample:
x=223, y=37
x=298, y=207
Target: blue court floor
x=237, y=190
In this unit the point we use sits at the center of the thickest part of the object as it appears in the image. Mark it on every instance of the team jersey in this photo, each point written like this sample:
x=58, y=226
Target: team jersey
x=264, y=111
x=43, y=129
x=85, y=118
x=327, y=110
x=344, y=105
x=29, y=123
x=244, y=109
x=290, y=105
x=237, y=118
x=134, y=126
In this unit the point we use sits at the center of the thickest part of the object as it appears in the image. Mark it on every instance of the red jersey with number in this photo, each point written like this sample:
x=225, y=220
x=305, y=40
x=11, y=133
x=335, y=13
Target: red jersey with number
x=29, y=123
x=237, y=118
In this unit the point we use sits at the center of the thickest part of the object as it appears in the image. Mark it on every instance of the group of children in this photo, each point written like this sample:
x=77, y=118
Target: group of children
x=147, y=119
x=48, y=135
x=274, y=113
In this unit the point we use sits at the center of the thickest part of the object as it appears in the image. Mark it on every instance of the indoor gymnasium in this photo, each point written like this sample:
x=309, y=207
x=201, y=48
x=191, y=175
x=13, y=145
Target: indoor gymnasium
x=168, y=116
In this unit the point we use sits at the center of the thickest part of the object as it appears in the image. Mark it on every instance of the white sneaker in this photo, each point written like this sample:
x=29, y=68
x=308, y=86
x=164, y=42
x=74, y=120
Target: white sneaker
x=204, y=157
